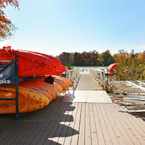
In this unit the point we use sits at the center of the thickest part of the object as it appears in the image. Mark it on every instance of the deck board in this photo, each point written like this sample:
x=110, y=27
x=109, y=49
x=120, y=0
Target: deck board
x=88, y=126
x=77, y=124
x=68, y=139
x=81, y=139
x=74, y=124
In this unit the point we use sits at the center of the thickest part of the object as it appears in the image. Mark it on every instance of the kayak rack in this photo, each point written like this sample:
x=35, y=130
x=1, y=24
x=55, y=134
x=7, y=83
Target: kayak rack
x=14, y=76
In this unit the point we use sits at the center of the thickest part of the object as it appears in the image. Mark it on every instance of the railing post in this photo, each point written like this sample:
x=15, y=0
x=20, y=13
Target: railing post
x=17, y=85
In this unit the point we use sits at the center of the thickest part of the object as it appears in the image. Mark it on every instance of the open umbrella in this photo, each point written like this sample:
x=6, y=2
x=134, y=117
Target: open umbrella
x=32, y=63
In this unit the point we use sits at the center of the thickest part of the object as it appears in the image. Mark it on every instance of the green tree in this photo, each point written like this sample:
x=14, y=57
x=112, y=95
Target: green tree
x=106, y=58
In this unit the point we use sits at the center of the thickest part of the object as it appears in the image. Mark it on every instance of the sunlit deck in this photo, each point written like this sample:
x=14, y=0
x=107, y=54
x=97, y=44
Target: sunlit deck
x=74, y=123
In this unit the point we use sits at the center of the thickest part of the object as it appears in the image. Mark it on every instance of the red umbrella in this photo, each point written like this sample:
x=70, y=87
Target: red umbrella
x=111, y=68
x=33, y=64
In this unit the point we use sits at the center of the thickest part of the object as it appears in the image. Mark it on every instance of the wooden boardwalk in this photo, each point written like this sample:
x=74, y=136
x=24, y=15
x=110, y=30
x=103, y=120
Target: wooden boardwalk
x=87, y=82
x=73, y=123
x=63, y=123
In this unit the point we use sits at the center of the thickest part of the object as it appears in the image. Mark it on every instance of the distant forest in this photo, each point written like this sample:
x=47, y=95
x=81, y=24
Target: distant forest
x=92, y=58
x=131, y=66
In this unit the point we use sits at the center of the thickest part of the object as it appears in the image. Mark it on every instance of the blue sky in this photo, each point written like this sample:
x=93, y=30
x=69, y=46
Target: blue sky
x=53, y=26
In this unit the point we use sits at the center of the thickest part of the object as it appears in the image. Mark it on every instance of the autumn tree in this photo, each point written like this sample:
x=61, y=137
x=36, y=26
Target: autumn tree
x=131, y=66
x=6, y=25
x=141, y=57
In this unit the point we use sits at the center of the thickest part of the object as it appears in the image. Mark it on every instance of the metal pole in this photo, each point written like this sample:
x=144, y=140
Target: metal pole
x=17, y=85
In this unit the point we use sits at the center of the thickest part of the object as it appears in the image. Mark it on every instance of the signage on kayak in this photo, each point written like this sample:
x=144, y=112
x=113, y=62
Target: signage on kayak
x=7, y=73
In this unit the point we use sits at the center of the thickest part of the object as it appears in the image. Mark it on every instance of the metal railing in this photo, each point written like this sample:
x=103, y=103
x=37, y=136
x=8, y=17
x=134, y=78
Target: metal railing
x=74, y=75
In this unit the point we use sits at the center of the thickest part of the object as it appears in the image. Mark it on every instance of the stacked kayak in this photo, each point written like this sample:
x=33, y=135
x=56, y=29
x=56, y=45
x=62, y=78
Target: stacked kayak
x=32, y=63
x=63, y=82
x=35, y=93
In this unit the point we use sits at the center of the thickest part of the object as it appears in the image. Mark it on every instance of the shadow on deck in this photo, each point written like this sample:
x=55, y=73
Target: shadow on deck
x=36, y=128
x=140, y=115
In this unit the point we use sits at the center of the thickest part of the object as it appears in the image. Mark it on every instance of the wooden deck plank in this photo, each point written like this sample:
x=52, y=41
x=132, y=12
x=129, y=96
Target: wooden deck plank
x=126, y=135
x=117, y=126
x=129, y=129
x=105, y=126
x=94, y=131
x=130, y=121
x=55, y=128
x=81, y=139
x=137, y=123
x=88, y=138
x=120, y=136
x=59, y=128
x=109, y=132
x=97, y=123
x=43, y=132
x=109, y=123
x=71, y=113
x=69, y=138
x=139, y=126
x=77, y=125
x=74, y=124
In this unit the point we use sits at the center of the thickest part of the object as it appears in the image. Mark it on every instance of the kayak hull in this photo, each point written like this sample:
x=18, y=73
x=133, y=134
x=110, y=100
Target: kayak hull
x=32, y=64
x=33, y=95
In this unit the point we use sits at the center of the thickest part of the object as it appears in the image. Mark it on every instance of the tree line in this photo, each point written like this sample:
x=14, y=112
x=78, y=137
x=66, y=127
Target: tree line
x=131, y=66
x=92, y=58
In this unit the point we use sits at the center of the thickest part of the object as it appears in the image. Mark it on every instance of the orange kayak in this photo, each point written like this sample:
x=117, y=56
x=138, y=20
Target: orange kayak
x=63, y=82
x=29, y=100
x=33, y=95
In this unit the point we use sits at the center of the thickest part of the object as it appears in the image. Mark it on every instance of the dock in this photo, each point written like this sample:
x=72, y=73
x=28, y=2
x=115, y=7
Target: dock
x=87, y=118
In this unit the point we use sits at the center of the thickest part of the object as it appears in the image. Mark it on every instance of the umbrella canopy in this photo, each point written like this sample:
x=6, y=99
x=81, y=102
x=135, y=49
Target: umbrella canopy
x=111, y=68
x=32, y=63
